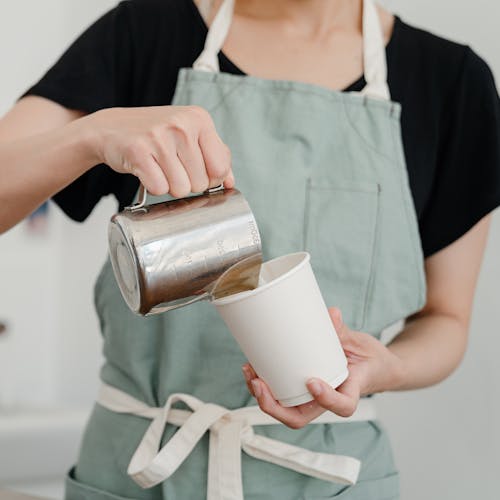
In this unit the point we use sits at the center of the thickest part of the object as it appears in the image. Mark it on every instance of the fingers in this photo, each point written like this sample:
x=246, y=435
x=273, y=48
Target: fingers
x=251, y=370
x=173, y=169
x=229, y=181
x=341, y=401
x=294, y=417
x=216, y=155
x=346, y=336
x=269, y=405
x=249, y=375
x=335, y=314
x=141, y=163
x=190, y=155
x=336, y=317
x=172, y=149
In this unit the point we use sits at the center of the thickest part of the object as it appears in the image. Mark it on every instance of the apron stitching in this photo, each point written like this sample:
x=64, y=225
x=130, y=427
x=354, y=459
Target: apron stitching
x=361, y=136
x=179, y=89
x=306, y=213
x=224, y=96
x=287, y=85
x=404, y=183
x=374, y=252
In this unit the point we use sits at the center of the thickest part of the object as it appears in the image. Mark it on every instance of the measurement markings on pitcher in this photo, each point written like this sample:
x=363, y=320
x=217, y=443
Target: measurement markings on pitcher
x=220, y=248
x=254, y=233
x=188, y=258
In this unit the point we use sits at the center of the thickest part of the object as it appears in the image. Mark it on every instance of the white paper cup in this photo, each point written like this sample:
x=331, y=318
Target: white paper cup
x=284, y=329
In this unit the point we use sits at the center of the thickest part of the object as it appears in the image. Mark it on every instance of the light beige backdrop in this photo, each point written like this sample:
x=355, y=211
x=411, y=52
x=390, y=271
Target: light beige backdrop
x=446, y=438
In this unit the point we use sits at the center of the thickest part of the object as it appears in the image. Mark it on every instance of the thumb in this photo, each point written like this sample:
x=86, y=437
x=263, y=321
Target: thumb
x=229, y=181
x=338, y=324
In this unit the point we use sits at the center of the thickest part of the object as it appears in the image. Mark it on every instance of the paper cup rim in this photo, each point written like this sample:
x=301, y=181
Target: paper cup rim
x=252, y=293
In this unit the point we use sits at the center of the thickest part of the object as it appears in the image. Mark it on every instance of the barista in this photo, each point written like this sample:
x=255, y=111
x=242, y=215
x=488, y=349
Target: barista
x=396, y=219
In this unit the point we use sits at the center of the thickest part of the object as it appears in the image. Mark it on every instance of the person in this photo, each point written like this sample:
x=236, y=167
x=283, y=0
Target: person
x=388, y=179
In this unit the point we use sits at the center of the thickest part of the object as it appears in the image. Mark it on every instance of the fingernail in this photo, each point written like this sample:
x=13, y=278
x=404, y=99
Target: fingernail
x=315, y=387
x=256, y=388
x=246, y=373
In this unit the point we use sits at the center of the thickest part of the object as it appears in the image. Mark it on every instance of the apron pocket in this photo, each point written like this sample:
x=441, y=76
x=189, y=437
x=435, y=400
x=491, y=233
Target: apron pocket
x=76, y=490
x=340, y=234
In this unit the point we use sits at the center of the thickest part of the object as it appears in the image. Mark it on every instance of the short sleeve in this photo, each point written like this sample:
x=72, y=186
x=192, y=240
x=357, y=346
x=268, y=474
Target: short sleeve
x=92, y=74
x=466, y=186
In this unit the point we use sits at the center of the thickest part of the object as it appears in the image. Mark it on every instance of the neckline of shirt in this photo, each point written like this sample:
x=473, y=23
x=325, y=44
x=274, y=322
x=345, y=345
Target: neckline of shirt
x=228, y=66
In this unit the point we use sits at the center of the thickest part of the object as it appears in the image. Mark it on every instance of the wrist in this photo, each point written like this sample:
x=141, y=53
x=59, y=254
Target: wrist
x=389, y=375
x=397, y=373
x=86, y=135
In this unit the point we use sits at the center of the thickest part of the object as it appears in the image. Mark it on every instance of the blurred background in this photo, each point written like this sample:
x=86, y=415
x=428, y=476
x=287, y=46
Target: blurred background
x=446, y=438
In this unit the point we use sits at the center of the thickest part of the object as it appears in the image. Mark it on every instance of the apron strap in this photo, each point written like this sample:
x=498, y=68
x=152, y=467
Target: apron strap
x=217, y=33
x=374, y=59
x=374, y=54
x=328, y=467
x=205, y=8
x=230, y=432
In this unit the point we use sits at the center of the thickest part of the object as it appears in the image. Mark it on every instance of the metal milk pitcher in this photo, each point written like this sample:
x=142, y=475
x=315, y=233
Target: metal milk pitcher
x=171, y=254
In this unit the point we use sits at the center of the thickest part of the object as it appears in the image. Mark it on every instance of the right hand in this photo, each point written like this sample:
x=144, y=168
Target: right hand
x=171, y=149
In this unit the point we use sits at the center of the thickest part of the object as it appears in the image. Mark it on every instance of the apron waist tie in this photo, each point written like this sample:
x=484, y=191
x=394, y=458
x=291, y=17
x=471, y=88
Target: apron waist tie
x=230, y=432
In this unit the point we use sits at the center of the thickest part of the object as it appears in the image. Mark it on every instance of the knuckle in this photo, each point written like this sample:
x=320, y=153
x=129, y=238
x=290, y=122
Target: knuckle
x=157, y=136
x=346, y=410
x=217, y=173
x=154, y=189
x=224, y=150
x=199, y=113
x=295, y=424
x=180, y=190
x=180, y=129
x=134, y=151
x=219, y=169
x=227, y=157
x=199, y=186
x=265, y=406
x=180, y=186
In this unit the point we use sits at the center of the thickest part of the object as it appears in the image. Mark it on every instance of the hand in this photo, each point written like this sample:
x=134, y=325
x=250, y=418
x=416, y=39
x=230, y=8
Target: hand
x=372, y=368
x=171, y=149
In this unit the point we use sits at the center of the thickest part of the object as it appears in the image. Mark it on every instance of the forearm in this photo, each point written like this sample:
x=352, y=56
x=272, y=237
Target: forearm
x=429, y=349
x=34, y=168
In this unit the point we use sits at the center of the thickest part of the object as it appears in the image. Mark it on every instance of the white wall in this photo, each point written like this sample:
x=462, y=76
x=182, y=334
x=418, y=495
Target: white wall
x=446, y=438
x=51, y=352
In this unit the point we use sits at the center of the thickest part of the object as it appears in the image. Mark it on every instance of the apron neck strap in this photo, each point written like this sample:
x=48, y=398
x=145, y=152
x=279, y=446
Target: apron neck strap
x=374, y=55
x=217, y=33
x=205, y=8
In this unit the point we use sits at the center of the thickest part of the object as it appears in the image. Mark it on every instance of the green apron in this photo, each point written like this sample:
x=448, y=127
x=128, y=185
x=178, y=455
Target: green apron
x=323, y=171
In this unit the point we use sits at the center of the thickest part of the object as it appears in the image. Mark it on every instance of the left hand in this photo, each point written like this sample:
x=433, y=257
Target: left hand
x=372, y=368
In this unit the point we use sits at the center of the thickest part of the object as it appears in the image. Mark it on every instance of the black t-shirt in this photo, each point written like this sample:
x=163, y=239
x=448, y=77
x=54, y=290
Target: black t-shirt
x=450, y=119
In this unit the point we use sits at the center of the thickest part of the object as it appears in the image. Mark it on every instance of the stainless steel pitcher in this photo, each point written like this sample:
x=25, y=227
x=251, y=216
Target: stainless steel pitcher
x=171, y=254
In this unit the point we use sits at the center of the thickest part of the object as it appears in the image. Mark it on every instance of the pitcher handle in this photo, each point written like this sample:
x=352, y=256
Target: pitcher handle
x=143, y=196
